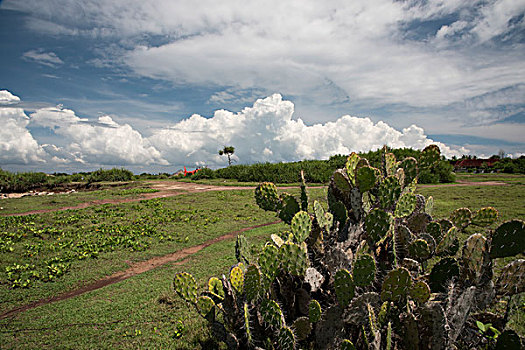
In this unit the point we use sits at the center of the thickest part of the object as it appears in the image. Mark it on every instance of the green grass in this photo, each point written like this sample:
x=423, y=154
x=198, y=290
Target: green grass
x=232, y=182
x=501, y=177
x=142, y=312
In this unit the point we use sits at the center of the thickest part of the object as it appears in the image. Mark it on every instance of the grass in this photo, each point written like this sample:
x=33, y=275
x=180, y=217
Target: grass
x=142, y=312
x=233, y=182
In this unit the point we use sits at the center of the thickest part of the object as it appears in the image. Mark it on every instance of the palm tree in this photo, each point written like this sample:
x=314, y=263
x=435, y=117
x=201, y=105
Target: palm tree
x=228, y=150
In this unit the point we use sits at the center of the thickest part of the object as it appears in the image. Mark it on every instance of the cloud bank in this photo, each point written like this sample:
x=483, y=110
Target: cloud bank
x=265, y=132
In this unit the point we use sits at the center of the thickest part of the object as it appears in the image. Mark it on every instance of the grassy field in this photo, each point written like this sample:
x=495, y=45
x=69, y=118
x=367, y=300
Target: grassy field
x=142, y=311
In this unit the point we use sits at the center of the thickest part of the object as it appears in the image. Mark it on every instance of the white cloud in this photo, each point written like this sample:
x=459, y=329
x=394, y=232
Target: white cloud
x=17, y=145
x=267, y=132
x=49, y=59
x=496, y=18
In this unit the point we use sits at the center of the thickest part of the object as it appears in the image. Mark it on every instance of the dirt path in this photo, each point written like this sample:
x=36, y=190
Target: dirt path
x=179, y=258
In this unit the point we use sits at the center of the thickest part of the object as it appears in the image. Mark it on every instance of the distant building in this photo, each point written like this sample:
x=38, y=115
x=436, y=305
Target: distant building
x=468, y=164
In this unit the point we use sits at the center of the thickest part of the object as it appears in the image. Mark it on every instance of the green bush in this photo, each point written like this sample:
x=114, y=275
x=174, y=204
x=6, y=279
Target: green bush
x=112, y=175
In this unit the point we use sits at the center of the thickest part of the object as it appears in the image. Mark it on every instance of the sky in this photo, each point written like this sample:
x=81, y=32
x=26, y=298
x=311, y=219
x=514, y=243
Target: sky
x=153, y=86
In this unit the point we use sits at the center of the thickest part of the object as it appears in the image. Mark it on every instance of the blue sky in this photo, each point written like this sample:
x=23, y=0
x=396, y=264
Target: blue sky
x=156, y=85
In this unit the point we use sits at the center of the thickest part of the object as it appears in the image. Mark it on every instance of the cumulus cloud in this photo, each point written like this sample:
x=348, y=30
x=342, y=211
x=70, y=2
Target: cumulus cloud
x=39, y=56
x=268, y=132
x=17, y=145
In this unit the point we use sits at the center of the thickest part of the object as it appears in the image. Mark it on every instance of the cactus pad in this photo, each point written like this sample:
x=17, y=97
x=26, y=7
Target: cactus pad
x=445, y=226
x=237, y=278
x=429, y=205
x=314, y=311
x=271, y=313
x=313, y=278
x=419, y=250
x=512, y=278
x=247, y=327
x=366, y=179
x=409, y=165
x=277, y=239
x=293, y=259
x=405, y=205
x=185, y=286
x=302, y=328
x=449, y=245
x=418, y=222
x=241, y=249
x=442, y=273
x=419, y=292
x=215, y=287
x=344, y=287
x=324, y=220
x=508, y=239
x=357, y=313
x=378, y=224
x=341, y=181
x=429, y=156
x=396, y=285
x=289, y=207
x=347, y=345
x=485, y=216
x=474, y=257
x=351, y=166
x=286, y=339
x=304, y=193
x=364, y=270
x=269, y=261
x=206, y=306
x=390, y=163
x=301, y=226
x=252, y=282
x=339, y=212
x=266, y=196
x=388, y=192
x=434, y=229
x=461, y=217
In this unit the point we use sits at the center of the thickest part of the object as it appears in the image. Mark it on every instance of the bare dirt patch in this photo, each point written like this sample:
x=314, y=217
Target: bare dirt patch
x=178, y=258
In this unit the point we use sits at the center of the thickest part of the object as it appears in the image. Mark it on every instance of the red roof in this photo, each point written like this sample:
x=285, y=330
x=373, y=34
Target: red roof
x=474, y=163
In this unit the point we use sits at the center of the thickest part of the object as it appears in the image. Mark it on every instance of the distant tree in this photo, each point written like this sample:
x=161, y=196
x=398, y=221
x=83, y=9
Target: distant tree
x=228, y=150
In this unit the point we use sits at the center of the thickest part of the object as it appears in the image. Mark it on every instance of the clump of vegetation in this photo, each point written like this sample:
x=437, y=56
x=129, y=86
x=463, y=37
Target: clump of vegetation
x=373, y=271
x=228, y=150
x=511, y=166
x=111, y=175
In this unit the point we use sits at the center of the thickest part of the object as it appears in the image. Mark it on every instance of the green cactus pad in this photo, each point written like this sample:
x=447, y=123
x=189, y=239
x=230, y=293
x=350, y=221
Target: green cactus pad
x=206, y=306
x=347, y=345
x=286, y=339
x=388, y=192
x=247, y=328
x=429, y=156
x=442, y=273
x=358, y=312
x=419, y=292
x=429, y=205
x=237, y=278
x=351, y=166
x=314, y=311
x=449, y=245
x=185, y=286
x=293, y=259
x=419, y=250
x=409, y=165
x=512, y=278
x=445, y=226
x=304, y=193
x=508, y=340
x=418, y=222
x=252, y=282
x=434, y=229
x=378, y=224
x=396, y=285
x=461, y=217
x=339, y=212
x=266, y=196
x=356, y=202
x=366, y=179
x=271, y=313
x=215, y=287
x=400, y=174
x=474, y=256
x=508, y=239
x=364, y=270
x=344, y=287
x=341, y=181
x=405, y=205
x=269, y=261
x=485, y=216
x=302, y=328
x=301, y=226
x=390, y=164
x=402, y=238
x=241, y=249
x=277, y=239
x=289, y=207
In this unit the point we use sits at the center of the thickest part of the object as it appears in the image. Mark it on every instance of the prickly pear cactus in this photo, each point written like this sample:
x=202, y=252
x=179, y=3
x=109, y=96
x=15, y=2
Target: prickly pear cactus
x=373, y=271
